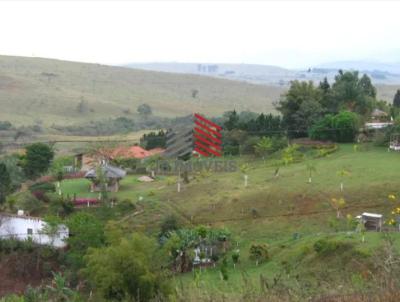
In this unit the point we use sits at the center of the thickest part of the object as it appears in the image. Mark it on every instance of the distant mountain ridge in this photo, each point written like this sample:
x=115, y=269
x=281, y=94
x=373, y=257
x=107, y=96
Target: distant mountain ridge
x=381, y=73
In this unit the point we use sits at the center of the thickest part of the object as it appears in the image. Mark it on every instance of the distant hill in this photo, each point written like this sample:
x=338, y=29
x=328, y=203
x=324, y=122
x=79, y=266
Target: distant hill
x=365, y=66
x=45, y=91
x=381, y=73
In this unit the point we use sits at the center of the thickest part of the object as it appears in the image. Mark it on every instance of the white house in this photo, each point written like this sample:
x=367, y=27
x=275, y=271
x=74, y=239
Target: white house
x=23, y=227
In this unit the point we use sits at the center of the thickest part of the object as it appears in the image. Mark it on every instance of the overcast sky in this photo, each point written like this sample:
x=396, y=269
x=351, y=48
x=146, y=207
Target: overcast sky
x=285, y=33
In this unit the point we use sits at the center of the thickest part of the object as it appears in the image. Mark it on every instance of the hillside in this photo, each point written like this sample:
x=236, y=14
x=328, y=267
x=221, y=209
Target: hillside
x=287, y=213
x=45, y=92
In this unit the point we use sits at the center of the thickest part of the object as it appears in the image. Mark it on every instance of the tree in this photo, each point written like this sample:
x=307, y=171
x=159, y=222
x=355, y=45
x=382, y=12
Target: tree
x=244, y=169
x=353, y=94
x=51, y=227
x=195, y=92
x=310, y=168
x=263, y=147
x=346, y=127
x=367, y=87
x=83, y=107
x=290, y=154
x=300, y=107
x=144, y=110
x=232, y=120
x=323, y=129
x=337, y=204
x=5, y=183
x=128, y=271
x=37, y=159
x=342, y=173
x=396, y=99
x=87, y=232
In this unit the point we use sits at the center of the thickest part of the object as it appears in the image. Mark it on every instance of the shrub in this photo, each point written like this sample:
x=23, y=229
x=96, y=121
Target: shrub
x=322, y=130
x=343, y=127
x=224, y=270
x=5, y=125
x=346, y=125
x=325, y=247
x=42, y=187
x=170, y=223
x=259, y=252
x=126, y=205
x=27, y=202
x=40, y=195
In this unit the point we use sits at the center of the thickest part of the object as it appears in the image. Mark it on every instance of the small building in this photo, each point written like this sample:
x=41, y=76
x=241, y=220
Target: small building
x=112, y=174
x=379, y=119
x=22, y=227
x=372, y=221
x=86, y=162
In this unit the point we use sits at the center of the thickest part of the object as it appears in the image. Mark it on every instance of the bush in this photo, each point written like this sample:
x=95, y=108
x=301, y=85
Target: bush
x=170, y=223
x=42, y=187
x=136, y=264
x=27, y=202
x=346, y=126
x=5, y=125
x=325, y=247
x=323, y=129
x=343, y=127
x=259, y=252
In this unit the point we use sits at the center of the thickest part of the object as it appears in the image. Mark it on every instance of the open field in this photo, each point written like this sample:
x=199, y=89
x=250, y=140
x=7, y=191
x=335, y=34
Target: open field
x=46, y=92
x=287, y=213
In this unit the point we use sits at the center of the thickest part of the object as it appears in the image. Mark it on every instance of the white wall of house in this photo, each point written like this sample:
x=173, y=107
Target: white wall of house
x=24, y=227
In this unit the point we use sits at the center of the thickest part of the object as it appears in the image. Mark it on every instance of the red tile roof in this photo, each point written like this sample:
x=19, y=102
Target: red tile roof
x=134, y=152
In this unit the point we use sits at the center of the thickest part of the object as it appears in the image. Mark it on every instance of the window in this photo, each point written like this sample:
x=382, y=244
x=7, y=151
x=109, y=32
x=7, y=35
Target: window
x=30, y=232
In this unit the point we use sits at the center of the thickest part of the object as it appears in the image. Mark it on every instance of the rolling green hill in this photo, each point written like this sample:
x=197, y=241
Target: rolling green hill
x=287, y=213
x=46, y=92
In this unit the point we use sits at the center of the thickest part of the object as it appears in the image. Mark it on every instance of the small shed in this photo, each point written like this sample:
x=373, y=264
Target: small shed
x=112, y=174
x=372, y=221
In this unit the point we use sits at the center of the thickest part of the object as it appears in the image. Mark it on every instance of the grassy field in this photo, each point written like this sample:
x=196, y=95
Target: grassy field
x=45, y=92
x=291, y=215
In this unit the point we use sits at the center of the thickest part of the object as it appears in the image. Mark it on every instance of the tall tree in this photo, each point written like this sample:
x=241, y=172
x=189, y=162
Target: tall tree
x=396, y=99
x=300, y=107
x=232, y=120
x=144, y=110
x=37, y=159
x=5, y=182
x=327, y=101
x=352, y=93
x=367, y=87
